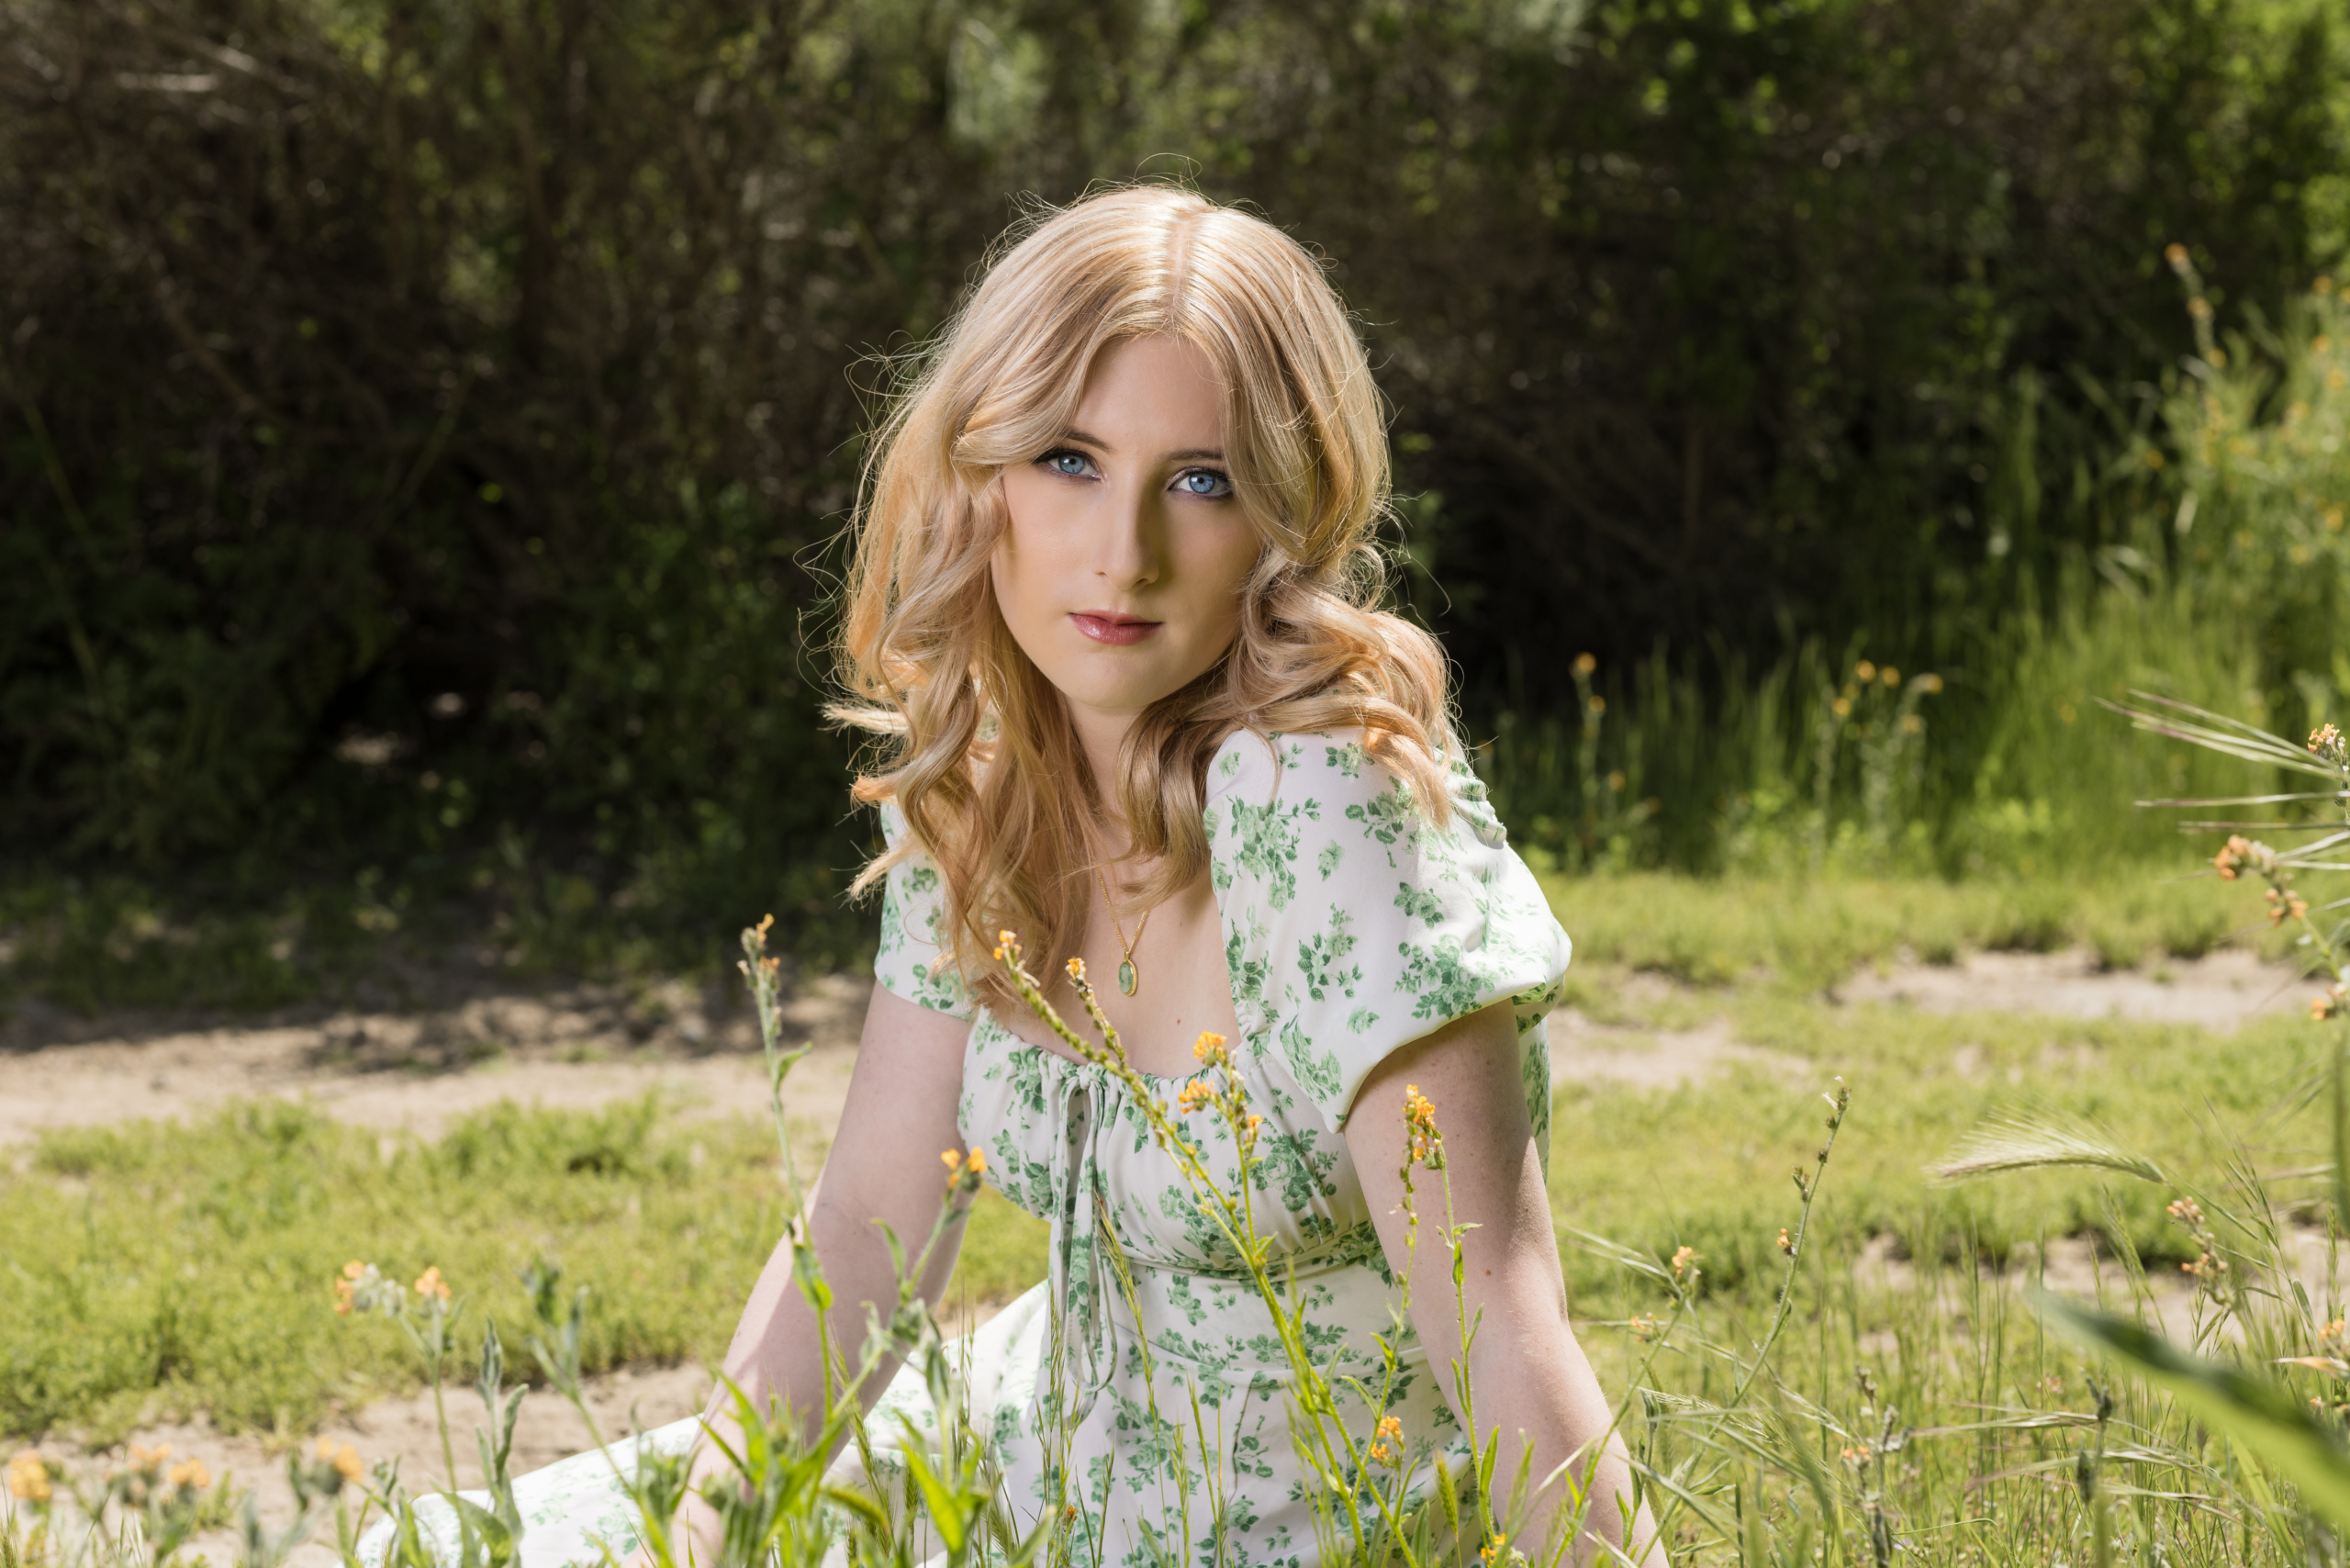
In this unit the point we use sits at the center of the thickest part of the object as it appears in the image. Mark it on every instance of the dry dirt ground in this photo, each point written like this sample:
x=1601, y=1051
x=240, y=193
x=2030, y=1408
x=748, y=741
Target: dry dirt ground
x=416, y=1066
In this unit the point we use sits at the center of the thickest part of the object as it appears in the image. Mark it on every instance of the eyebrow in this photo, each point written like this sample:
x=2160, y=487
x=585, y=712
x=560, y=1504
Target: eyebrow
x=1191, y=454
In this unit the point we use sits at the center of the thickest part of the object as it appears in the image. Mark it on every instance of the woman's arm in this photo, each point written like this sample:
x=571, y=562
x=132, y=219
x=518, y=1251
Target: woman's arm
x=884, y=1166
x=1528, y=1375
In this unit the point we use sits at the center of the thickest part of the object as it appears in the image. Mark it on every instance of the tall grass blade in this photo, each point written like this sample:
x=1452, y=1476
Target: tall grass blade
x=2261, y=1416
x=2006, y=1145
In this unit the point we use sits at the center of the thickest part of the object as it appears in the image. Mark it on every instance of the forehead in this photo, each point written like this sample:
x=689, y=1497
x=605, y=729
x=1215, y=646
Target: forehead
x=1148, y=390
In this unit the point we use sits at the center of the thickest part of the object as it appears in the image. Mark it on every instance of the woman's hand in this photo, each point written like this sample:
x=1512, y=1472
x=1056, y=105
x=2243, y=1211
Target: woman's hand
x=883, y=1168
x=1528, y=1376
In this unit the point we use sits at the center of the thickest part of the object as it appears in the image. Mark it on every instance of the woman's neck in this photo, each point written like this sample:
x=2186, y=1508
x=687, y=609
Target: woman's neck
x=1101, y=737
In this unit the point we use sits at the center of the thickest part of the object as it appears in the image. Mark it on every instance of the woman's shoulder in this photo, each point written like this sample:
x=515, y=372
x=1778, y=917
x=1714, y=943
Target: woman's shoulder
x=1330, y=778
x=1357, y=922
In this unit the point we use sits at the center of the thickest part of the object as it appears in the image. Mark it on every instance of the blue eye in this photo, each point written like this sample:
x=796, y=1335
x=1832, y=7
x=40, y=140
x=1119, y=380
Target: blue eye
x=1205, y=483
x=1061, y=460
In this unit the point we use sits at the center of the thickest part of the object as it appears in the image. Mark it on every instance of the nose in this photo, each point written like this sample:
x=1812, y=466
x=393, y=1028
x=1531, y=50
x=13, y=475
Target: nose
x=1128, y=549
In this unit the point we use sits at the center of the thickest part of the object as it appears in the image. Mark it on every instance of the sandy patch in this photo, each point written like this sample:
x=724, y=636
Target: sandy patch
x=1583, y=1051
x=418, y=1069
x=2219, y=991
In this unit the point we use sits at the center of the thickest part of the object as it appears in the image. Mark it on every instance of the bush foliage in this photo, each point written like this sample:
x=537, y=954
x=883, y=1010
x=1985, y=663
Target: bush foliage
x=429, y=424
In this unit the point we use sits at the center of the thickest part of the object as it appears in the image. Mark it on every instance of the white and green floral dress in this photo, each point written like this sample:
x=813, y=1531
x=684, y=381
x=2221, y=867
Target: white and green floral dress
x=1351, y=928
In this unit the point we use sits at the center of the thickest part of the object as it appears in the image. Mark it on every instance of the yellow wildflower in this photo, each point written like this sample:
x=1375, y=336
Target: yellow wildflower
x=1585, y=664
x=2235, y=853
x=1493, y=1549
x=1684, y=1262
x=190, y=1475
x=349, y=1286
x=430, y=1285
x=1786, y=1242
x=28, y=1477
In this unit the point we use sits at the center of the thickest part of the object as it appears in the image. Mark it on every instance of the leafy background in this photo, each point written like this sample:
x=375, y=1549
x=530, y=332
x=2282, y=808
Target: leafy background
x=429, y=426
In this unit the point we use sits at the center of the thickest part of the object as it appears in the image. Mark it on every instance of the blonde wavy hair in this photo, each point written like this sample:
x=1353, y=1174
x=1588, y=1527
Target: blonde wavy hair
x=977, y=749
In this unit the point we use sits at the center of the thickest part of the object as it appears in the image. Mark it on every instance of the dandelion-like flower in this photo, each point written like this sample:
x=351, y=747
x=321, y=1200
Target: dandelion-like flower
x=343, y=1457
x=963, y=1169
x=28, y=1477
x=189, y=1475
x=430, y=1285
x=2284, y=906
x=2232, y=853
x=1426, y=1139
x=1865, y=672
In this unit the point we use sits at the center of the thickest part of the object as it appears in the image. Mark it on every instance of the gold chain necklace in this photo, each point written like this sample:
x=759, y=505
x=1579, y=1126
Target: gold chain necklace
x=1128, y=978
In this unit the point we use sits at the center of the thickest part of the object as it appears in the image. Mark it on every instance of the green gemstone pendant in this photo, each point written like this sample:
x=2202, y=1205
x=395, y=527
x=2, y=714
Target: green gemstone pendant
x=1127, y=977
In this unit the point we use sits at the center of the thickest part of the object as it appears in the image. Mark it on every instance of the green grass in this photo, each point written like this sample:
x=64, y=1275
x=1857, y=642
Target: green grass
x=1709, y=1165
x=1807, y=934
x=165, y=1269
x=150, y=1270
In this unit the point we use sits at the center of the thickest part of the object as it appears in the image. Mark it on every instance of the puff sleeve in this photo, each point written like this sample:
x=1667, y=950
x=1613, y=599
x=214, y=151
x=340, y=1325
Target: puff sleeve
x=909, y=960
x=1353, y=926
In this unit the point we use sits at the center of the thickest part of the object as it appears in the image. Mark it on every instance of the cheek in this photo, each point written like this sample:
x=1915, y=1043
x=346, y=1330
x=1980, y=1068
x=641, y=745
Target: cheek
x=1226, y=562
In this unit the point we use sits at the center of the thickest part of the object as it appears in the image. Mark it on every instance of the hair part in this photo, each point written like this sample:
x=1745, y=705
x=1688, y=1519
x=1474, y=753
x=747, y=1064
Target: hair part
x=968, y=725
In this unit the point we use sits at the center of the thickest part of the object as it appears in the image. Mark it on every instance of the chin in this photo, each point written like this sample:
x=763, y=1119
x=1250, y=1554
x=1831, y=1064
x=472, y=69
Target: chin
x=1115, y=696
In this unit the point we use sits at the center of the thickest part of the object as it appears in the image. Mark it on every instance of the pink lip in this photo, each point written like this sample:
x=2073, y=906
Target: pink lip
x=1108, y=626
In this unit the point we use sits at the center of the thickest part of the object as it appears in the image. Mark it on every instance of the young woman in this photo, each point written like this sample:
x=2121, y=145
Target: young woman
x=1113, y=613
